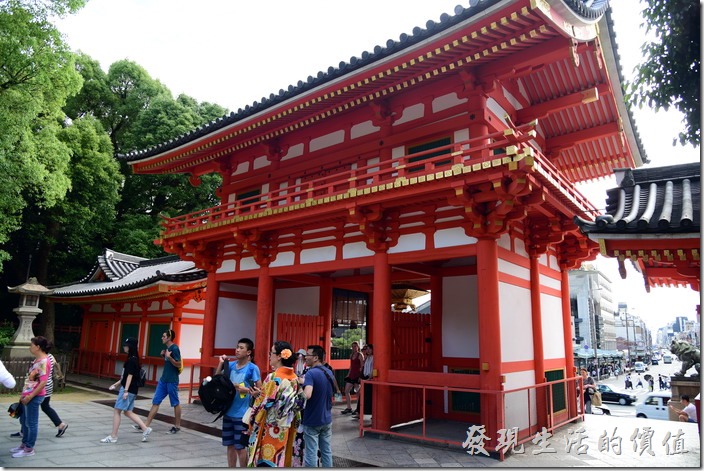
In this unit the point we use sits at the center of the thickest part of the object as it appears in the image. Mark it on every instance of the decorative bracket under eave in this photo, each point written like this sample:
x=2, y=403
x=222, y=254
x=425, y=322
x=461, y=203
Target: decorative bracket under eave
x=262, y=246
x=380, y=229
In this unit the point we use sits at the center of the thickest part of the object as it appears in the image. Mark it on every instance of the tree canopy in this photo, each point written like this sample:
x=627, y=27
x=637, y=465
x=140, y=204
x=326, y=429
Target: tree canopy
x=36, y=77
x=671, y=72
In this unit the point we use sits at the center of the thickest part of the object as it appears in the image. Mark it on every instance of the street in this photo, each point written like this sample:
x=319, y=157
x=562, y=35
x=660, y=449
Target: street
x=618, y=384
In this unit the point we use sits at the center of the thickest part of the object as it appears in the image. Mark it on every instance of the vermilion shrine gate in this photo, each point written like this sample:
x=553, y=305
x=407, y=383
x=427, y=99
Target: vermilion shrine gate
x=446, y=160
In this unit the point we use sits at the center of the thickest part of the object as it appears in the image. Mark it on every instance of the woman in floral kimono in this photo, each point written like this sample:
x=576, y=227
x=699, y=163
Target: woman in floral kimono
x=276, y=413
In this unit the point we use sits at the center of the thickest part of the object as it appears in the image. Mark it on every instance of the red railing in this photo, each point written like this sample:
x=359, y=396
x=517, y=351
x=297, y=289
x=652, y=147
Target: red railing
x=364, y=179
x=524, y=400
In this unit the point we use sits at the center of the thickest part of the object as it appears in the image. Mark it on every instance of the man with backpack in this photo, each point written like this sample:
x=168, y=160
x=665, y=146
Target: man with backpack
x=317, y=416
x=244, y=375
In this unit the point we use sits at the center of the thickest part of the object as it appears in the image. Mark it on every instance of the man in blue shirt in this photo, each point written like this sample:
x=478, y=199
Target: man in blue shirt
x=244, y=375
x=168, y=383
x=317, y=416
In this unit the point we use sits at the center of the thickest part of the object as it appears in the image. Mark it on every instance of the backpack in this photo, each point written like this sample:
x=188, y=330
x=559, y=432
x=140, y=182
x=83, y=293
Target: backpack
x=142, y=379
x=56, y=374
x=217, y=394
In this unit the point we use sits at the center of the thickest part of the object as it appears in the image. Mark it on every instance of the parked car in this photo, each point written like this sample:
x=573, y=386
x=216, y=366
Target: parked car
x=610, y=395
x=654, y=406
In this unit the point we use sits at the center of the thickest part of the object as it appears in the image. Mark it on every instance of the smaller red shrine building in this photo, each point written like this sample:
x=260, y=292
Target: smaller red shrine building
x=127, y=296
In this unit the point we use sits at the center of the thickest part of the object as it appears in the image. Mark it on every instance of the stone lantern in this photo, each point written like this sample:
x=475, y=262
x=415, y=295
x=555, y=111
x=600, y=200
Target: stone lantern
x=29, y=292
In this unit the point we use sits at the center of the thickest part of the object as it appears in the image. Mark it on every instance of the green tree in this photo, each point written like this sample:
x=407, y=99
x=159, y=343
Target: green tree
x=670, y=73
x=138, y=111
x=64, y=240
x=36, y=76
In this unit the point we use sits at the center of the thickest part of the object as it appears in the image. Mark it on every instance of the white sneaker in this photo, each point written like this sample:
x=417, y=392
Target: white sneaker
x=137, y=428
x=146, y=433
x=23, y=453
x=16, y=449
x=109, y=439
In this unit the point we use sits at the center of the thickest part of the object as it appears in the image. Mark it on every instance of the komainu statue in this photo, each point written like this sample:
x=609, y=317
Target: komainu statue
x=687, y=354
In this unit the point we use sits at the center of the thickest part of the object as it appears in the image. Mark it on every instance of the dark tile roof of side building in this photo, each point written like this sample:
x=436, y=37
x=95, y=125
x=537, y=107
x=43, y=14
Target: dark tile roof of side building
x=590, y=9
x=660, y=200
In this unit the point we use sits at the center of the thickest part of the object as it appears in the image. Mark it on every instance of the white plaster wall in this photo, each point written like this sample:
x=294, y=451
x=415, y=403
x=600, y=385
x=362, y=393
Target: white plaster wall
x=550, y=282
x=236, y=319
x=327, y=140
x=294, y=151
x=460, y=327
x=513, y=269
x=362, y=129
x=447, y=101
x=511, y=99
x=356, y=250
x=248, y=263
x=298, y=301
x=409, y=114
x=516, y=326
x=191, y=340
x=552, y=260
x=243, y=167
x=462, y=135
x=283, y=259
x=553, y=336
x=398, y=152
x=518, y=404
x=497, y=109
x=519, y=247
x=193, y=304
x=452, y=237
x=320, y=254
x=505, y=241
x=228, y=266
x=261, y=162
x=410, y=242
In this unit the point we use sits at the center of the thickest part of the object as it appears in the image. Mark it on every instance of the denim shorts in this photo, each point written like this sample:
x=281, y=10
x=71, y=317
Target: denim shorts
x=162, y=390
x=122, y=403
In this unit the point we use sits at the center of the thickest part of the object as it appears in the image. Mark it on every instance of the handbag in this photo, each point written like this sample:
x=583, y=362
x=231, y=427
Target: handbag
x=596, y=399
x=15, y=410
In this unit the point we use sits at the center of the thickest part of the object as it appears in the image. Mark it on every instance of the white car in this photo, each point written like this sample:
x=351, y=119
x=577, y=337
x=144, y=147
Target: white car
x=639, y=367
x=654, y=406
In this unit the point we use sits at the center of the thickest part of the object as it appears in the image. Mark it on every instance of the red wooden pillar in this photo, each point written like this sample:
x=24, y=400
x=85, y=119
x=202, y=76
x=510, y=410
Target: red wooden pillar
x=436, y=397
x=381, y=413
x=567, y=338
x=326, y=313
x=265, y=307
x=538, y=351
x=436, y=322
x=489, y=335
x=210, y=318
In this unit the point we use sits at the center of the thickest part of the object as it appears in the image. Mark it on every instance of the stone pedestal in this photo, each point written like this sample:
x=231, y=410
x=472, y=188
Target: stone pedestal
x=683, y=385
x=19, y=345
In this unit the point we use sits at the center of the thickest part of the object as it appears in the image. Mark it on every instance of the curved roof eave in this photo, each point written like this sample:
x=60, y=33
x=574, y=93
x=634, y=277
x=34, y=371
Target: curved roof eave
x=579, y=8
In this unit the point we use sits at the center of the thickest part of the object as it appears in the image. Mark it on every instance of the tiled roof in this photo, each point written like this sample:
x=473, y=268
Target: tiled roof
x=588, y=9
x=126, y=272
x=662, y=200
